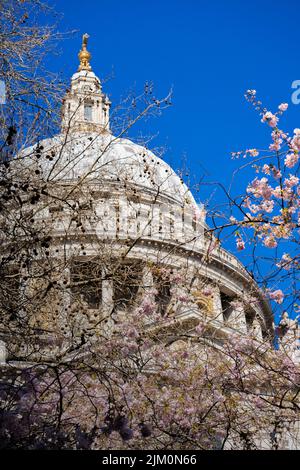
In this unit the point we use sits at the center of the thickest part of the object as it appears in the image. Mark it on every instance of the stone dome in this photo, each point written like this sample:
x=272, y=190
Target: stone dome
x=104, y=158
x=131, y=197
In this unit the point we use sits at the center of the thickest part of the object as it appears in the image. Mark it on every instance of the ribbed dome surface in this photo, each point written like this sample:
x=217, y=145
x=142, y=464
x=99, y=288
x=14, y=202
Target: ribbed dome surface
x=103, y=157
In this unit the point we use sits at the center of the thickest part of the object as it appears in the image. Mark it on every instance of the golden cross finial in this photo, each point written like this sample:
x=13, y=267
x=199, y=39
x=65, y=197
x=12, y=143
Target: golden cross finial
x=84, y=55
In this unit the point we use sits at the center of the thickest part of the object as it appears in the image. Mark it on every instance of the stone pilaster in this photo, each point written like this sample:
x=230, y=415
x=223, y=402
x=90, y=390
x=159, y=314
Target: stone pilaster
x=217, y=305
x=256, y=331
x=3, y=352
x=237, y=319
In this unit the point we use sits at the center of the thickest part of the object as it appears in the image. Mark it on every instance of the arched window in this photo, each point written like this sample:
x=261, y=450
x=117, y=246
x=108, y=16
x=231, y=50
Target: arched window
x=204, y=303
x=226, y=306
x=250, y=316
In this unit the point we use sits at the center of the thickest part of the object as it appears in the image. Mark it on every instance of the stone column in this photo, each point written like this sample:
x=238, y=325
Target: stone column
x=3, y=352
x=178, y=223
x=217, y=305
x=107, y=303
x=147, y=279
x=256, y=331
x=144, y=221
x=155, y=222
x=146, y=295
x=237, y=317
x=289, y=334
x=107, y=294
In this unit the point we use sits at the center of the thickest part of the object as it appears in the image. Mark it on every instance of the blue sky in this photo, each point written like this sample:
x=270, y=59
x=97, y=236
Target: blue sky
x=210, y=52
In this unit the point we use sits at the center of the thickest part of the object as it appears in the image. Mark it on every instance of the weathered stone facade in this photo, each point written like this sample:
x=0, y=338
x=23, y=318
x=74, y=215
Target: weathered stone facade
x=121, y=217
x=118, y=200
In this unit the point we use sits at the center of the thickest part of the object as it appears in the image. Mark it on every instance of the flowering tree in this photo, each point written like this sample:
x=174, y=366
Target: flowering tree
x=270, y=208
x=134, y=390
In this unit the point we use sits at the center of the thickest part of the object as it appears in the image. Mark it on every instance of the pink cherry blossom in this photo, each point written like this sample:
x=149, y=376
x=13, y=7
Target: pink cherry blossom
x=267, y=206
x=183, y=298
x=270, y=118
x=207, y=291
x=276, y=173
x=285, y=262
x=277, y=296
x=270, y=242
x=275, y=146
x=266, y=169
x=260, y=188
x=291, y=160
x=240, y=244
x=253, y=152
x=291, y=181
x=283, y=107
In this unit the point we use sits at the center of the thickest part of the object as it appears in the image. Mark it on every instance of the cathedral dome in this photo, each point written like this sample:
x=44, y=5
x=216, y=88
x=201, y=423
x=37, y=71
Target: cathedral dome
x=86, y=150
x=104, y=158
x=122, y=195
